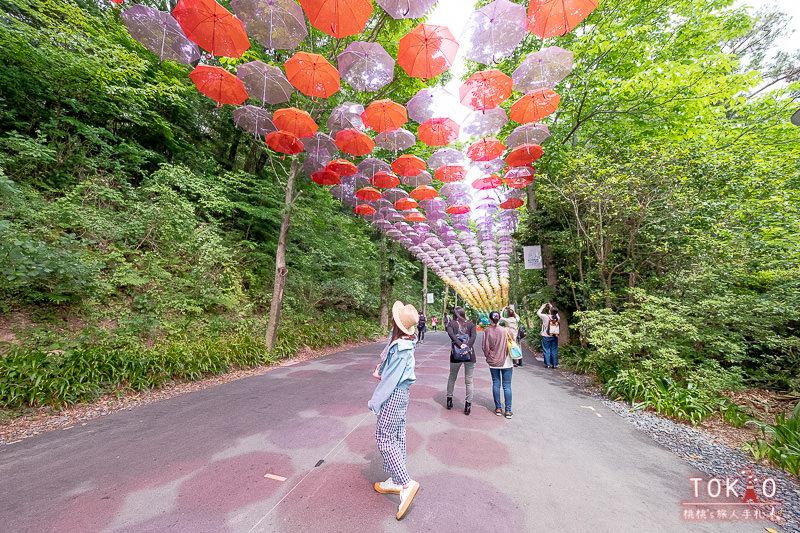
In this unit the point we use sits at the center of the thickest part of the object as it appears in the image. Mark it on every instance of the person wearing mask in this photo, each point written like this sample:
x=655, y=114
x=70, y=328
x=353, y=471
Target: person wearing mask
x=460, y=326
x=390, y=403
x=495, y=349
x=550, y=331
x=511, y=323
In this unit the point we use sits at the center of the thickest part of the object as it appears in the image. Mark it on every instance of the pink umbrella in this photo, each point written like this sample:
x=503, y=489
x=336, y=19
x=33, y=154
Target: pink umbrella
x=277, y=24
x=446, y=156
x=254, y=119
x=494, y=31
x=371, y=166
x=366, y=66
x=485, y=123
x=399, y=139
x=406, y=9
x=344, y=117
x=530, y=133
x=543, y=69
x=265, y=82
x=159, y=32
x=320, y=142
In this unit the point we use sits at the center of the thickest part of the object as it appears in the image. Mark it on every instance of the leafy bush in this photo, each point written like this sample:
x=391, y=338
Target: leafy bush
x=779, y=442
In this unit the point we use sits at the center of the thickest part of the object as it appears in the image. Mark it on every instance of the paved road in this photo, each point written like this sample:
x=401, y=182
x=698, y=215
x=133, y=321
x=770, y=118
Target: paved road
x=293, y=450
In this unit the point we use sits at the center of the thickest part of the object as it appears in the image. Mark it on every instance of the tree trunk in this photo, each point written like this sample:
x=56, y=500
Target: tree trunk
x=385, y=288
x=444, y=301
x=549, y=265
x=280, y=259
x=425, y=289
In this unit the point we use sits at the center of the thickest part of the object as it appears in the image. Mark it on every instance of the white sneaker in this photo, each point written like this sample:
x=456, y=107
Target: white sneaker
x=407, y=494
x=388, y=487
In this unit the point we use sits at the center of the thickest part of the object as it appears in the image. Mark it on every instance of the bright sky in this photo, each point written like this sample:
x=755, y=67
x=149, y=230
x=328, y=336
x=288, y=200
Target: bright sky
x=789, y=42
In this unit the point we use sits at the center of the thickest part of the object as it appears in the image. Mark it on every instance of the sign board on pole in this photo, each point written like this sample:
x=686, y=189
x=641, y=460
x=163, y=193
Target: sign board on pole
x=430, y=297
x=532, y=256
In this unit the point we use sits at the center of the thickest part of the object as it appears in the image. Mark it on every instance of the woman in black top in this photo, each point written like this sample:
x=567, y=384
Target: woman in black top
x=460, y=324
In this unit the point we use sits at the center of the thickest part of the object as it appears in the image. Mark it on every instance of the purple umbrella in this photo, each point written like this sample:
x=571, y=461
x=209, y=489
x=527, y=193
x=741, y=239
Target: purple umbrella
x=458, y=187
x=265, y=82
x=254, y=119
x=494, y=31
x=370, y=166
x=399, y=139
x=484, y=123
x=159, y=32
x=446, y=156
x=345, y=116
x=542, y=69
x=429, y=103
x=423, y=178
x=319, y=142
x=527, y=134
x=366, y=66
x=394, y=194
x=316, y=160
x=277, y=24
x=406, y=9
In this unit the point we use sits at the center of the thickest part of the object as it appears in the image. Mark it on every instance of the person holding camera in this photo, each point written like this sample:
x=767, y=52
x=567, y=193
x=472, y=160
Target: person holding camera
x=550, y=332
x=510, y=321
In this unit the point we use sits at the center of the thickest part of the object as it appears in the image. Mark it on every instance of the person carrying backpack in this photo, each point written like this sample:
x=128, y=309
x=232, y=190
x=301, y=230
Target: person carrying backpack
x=422, y=327
x=462, y=333
x=551, y=329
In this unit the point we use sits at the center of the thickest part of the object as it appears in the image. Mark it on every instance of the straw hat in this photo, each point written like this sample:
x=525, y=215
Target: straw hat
x=405, y=316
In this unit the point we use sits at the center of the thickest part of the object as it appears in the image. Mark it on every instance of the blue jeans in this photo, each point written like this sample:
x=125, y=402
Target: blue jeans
x=501, y=375
x=550, y=350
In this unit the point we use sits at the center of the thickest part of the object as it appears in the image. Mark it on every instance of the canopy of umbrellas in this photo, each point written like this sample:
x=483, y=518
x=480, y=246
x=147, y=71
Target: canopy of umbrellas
x=483, y=185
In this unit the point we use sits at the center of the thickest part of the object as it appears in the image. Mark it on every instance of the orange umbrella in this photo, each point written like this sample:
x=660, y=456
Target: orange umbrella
x=295, y=121
x=524, y=154
x=364, y=209
x=488, y=182
x=438, y=131
x=416, y=216
x=408, y=165
x=511, y=203
x=211, y=26
x=384, y=180
x=485, y=90
x=405, y=203
x=284, y=142
x=354, y=142
x=325, y=177
x=312, y=75
x=486, y=149
x=535, y=106
x=548, y=18
x=342, y=167
x=427, y=51
x=424, y=192
x=368, y=194
x=219, y=84
x=450, y=173
x=459, y=209
x=338, y=18
x=384, y=115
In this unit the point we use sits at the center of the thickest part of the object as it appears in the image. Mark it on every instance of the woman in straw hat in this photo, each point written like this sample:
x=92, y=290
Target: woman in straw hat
x=390, y=403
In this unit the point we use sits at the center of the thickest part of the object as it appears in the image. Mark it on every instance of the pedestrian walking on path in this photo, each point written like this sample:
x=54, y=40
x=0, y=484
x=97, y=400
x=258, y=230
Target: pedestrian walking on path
x=550, y=332
x=390, y=403
x=465, y=329
x=495, y=349
x=422, y=327
x=511, y=323
x=434, y=321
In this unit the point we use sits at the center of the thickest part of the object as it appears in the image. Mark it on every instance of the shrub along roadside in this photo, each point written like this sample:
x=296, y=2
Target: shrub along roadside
x=779, y=442
x=31, y=377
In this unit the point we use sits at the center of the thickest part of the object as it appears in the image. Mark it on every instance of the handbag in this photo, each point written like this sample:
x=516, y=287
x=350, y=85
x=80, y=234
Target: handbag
x=513, y=348
x=459, y=353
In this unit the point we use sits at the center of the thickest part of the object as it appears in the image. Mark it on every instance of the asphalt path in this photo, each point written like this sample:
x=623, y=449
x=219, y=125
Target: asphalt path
x=294, y=450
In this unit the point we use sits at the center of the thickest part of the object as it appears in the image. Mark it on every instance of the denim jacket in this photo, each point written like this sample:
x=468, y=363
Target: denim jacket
x=396, y=371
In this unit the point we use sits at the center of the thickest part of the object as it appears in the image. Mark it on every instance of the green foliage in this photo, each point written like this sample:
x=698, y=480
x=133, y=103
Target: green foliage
x=779, y=442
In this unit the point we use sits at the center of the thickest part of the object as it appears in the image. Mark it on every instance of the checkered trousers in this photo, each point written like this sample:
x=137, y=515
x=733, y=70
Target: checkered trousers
x=390, y=434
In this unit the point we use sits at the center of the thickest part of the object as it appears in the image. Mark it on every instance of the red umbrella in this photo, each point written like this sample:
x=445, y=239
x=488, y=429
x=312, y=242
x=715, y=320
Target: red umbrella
x=438, y=131
x=416, y=216
x=427, y=51
x=211, y=26
x=519, y=177
x=312, y=75
x=384, y=180
x=342, y=167
x=485, y=90
x=219, y=84
x=338, y=18
x=535, y=106
x=296, y=121
x=548, y=18
x=405, y=203
x=524, y=155
x=512, y=203
x=459, y=209
x=284, y=142
x=326, y=176
x=450, y=173
x=368, y=194
x=488, y=182
x=424, y=192
x=408, y=165
x=354, y=142
x=384, y=115
x=486, y=149
x=364, y=209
